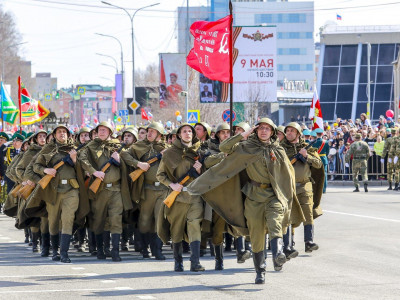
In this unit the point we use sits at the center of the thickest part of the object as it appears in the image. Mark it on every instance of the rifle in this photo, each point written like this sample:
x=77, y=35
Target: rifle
x=191, y=173
x=300, y=157
x=66, y=160
x=136, y=174
x=15, y=190
x=26, y=191
x=96, y=183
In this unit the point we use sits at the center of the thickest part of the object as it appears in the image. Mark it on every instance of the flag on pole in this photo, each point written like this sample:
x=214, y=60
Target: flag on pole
x=144, y=115
x=163, y=85
x=338, y=17
x=9, y=109
x=32, y=110
x=315, y=112
x=212, y=49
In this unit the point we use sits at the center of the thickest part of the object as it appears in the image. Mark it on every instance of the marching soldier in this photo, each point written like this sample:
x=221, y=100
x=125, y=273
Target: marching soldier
x=61, y=195
x=280, y=132
x=293, y=145
x=307, y=135
x=8, y=154
x=39, y=140
x=323, y=152
x=269, y=191
x=112, y=196
x=218, y=224
x=360, y=152
x=142, y=132
x=390, y=163
x=150, y=192
x=187, y=211
x=4, y=138
x=241, y=127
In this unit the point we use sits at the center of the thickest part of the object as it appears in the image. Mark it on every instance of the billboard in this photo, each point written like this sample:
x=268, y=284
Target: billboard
x=172, y=78
x=254, y=68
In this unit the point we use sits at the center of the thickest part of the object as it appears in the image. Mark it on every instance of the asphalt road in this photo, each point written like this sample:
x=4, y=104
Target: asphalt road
x=358, y=235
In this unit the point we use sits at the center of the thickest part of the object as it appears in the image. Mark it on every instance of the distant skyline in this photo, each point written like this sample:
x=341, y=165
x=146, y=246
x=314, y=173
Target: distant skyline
x=61, y=38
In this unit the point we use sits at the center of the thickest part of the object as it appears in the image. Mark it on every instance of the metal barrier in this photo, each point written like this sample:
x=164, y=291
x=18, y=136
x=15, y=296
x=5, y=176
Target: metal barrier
x=338, y=171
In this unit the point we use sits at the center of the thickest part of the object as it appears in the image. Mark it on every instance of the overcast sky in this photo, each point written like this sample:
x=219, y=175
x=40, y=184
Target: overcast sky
x=60, y=34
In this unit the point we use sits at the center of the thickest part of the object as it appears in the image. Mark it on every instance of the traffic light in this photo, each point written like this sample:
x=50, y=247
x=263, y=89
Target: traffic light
x=115, y=118
x=58, y=95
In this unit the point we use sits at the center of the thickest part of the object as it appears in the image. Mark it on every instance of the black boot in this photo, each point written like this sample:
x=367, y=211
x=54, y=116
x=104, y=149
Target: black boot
x=26, y=235
x=65, y=241
x=54, y=245
x=228, y=242
x=241, y=253
x=278, y=257
x=178, y=251
x=390, y=186
x=219, y=258
x=81, y=239
x=356, y=190
x=45, y=245
x=100, y=246
x=146, y=242
x=35, y=241
x=396, y=186
x=138, y=240
x=30, y=237
x=195, y=265
x=289, y=251
x=156, y=247
x=247, y=245
x=115, y=237
x=92, y=243
x=106, y=241
x=310, y=246
x=212, y=250
x=186, y=247
x=366, y=187
x=124, y=239
x=260, y=266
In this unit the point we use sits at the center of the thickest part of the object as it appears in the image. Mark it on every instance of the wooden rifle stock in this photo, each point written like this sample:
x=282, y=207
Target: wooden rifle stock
x=136, y=174
x=94, y=187
x=47, y=178
x=96, y=183
x=172, y=196
x=15, y=190
x=26, y=191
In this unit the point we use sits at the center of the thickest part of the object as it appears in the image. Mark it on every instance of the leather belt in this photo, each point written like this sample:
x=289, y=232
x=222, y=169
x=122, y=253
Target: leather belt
x=260, y=185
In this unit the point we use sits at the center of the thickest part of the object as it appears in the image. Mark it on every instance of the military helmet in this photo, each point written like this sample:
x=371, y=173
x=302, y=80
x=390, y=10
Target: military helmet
x=132, y=131
x=29, y=135
x=244, y=125
x=105, y=124
x=319, y=130
x=281, y=128
x=61, y=126
x=83, y=129
x=295, y=126
x=174, y=131
x=206, y=127
x=357, y=136
x=37, y=133
x=4, y=135
x=26, y=141
x=222, y=126
x=156, y=126
x=393, y=130
x=183, y=125
x=267, y=121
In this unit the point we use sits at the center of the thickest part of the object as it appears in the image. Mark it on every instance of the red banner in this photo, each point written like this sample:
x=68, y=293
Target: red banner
x=212, y=49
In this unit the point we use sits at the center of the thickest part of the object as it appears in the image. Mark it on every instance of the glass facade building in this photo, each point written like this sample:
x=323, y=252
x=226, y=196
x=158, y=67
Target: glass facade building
x=343, y=80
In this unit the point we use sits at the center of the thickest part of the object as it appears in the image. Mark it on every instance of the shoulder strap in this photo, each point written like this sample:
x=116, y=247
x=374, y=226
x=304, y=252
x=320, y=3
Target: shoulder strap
x=321, y=147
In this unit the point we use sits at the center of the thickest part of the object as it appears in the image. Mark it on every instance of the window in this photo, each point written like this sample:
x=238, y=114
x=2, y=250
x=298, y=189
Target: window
x=349, y=55
x=364, y=74
x=386, y=54
x=343, y=110
x=364, y=55
x=295, y=67
x=280, y=18
x=384, y=74
x=332, y=55
x=330, y=75
x=347, y=74
x=362, y=92
x=379, y=108
x=328, y=93
x=345, y=93
x=292, y=51
x=328, y=110
x=295, y=35
x=383, y=92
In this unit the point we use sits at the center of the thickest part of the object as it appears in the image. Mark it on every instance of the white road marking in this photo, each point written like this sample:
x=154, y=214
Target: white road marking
x=123, y=288
x=108, y=281
x=5, y=238
x=13, y=241
x=361, y=216
x=12, y=291
x=78, y=268
x=146, y=297
x=50, y=275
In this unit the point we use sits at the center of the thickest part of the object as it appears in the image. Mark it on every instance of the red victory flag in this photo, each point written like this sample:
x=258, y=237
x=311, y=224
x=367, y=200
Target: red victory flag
x=163, y=84
x=144, y=115
x=315, y=112
x=212, y=49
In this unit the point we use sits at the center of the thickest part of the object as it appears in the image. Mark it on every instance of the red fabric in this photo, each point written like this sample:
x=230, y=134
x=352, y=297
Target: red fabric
x=315, y=112
x=144, y=115
x=212, y=50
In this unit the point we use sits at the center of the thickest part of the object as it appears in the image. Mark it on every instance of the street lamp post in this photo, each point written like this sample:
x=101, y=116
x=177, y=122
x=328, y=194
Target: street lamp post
x=109, y=56
x=133, y=46
x=107, y=65
x=124, y=106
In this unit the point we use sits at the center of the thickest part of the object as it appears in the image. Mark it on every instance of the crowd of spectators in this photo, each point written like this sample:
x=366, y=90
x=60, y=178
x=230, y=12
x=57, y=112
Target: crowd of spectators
x=340, y=135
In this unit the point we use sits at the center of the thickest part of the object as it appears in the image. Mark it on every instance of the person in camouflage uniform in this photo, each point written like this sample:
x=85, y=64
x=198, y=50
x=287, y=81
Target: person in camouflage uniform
x=394, y=150
x=360, y=152
x=390, y=163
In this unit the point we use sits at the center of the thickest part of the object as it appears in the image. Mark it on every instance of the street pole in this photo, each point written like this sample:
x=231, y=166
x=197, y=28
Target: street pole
x=109, y=56
x=187, y=67
x=369, y=81
x=124, y=105
x=133, y=47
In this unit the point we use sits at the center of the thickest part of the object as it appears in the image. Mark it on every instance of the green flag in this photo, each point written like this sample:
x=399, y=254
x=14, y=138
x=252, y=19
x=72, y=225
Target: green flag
x=10, y=111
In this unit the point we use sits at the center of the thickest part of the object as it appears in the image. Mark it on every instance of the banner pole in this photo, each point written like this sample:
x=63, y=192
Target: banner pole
x=2, y=113
x=19, y=104
x=231, y=70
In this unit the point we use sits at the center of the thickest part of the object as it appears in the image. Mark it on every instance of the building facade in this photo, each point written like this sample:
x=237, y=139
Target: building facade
x=343, y=70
